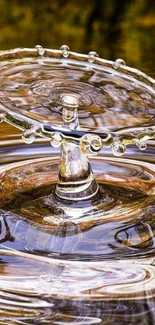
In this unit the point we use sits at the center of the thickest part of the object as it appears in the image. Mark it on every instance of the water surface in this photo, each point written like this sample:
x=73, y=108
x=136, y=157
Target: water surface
x=57, y=267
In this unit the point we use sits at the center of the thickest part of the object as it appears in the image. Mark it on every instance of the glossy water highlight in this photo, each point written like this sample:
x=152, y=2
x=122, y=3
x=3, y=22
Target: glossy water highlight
x=64, y=260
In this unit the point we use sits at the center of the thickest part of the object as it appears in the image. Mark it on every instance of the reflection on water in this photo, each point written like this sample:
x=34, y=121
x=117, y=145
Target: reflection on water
x=76, y=272
x=65, y=261
x=108, y=100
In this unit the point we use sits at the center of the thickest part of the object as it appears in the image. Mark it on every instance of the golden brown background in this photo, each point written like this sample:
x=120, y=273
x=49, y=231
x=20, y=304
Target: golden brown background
x=113, y=28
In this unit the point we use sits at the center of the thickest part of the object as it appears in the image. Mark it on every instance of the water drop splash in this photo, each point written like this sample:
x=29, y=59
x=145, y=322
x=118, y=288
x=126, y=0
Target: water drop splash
x=74, y=166
x=95, y=104
x=77, y=227
x=56, y=108
x=65, y=50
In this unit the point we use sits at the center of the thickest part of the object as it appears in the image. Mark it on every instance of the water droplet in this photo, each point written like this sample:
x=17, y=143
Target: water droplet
x=69, y=112
x=69, y=101
x=96, y=143
x=68, y=115
x=85, y=143
x=118, y=63
x=90, y=143
x=150, y=131
x=65, y=50
x=40, y=49
x=56, y=140
x=92, y=56
x=2, y=118
x=28, y=136
x=141, y=144
x=118, y=148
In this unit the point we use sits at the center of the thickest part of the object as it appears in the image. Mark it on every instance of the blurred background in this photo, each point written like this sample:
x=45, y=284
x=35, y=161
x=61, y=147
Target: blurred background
x=112, y=28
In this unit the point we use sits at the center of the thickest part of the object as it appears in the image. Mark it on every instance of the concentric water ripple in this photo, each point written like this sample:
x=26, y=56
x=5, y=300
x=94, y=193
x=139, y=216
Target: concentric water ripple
x=41, y=264
x=34, y=88
x=37, y=286
x=85, y=262
x=43, y=277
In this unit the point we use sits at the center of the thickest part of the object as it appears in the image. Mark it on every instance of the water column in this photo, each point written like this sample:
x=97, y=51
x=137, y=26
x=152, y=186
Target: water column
x=76, y=180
